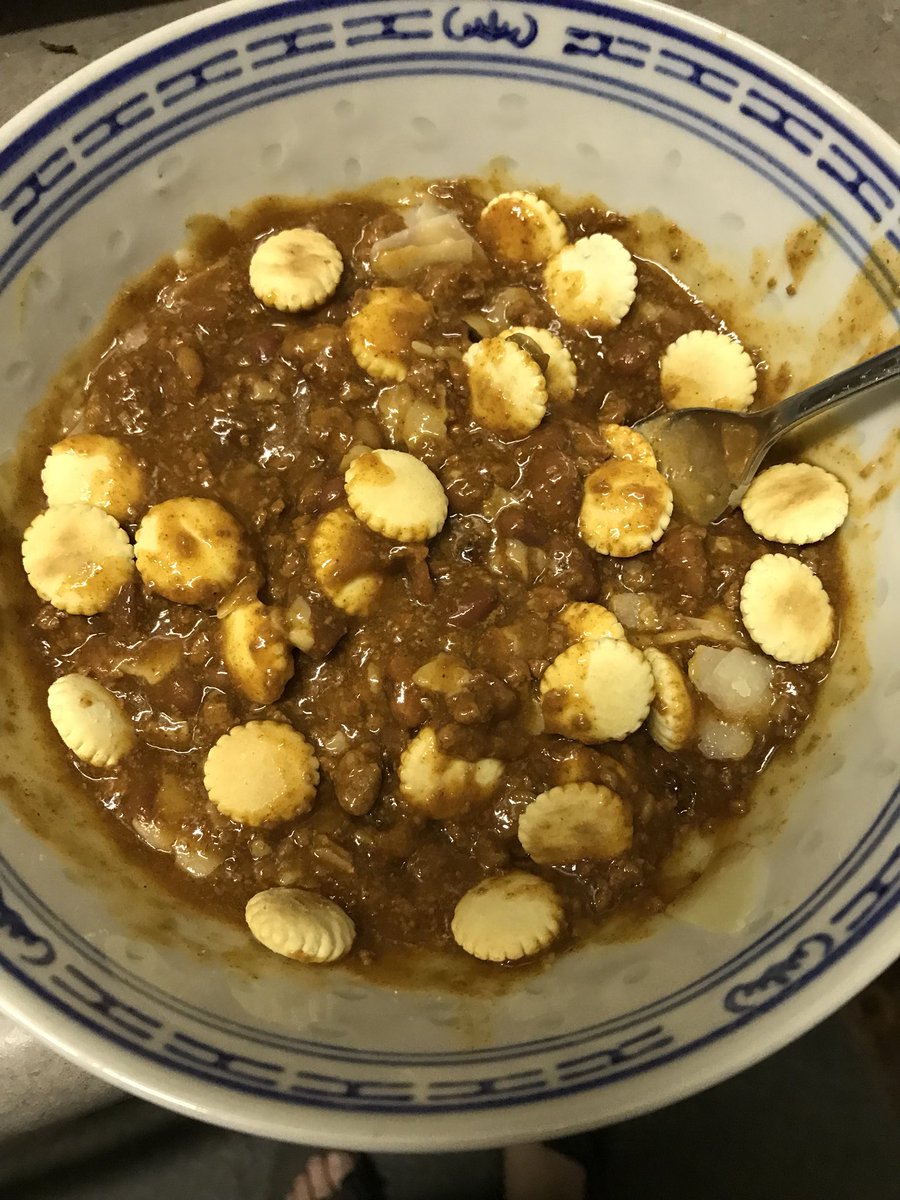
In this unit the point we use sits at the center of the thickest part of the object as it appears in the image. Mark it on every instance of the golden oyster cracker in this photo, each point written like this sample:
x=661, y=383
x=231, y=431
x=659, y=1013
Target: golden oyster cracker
x=295, y=270
x=396, y=495
x=795, y=503
x=624, y=442
x=521, y=227
x=190, y=550
x=507, y=389
x=579, y=765
x=261, y=772
x=705, y=369
x=443, y=787
x=77, y=557
x=671, y=722
x=625, y=509
x=507, y=917
x=256, y=651
x=300, y=924
x=89, y=468
x=560, y=372
x=592, y=282
x=381, y=333
x=786, y=609
x=576, y=821
x=90, y=720
x=581, y=619
x=345, y=558
x=597, y=691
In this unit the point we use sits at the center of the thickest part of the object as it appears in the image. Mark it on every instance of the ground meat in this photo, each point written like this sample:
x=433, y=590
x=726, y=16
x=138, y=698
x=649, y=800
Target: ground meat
x=471, y=600
x=410, y=706
x=357, y=780
x=451, y=287
x=682, y=562
x=570, y=567
x=631, y=354
x=553, y=485
x=466, y=490
x=480, y=700
x=517, y=522
x=262, y=410
x=319, y=492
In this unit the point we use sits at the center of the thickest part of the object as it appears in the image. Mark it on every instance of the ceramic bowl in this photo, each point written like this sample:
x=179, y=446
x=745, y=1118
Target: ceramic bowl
x=654, y=110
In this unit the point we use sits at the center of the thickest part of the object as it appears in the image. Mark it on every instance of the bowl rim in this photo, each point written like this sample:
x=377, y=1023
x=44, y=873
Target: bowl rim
x=44, y=109
x=94, y=1052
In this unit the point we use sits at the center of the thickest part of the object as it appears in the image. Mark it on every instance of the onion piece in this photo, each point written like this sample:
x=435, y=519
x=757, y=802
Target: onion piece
x=722, y=741
x=391, y=408
x=728, y=895
x=479, y=324
x=698, y=628
x=152, y=662
x=445, y=673
x=155, y=834
x=738, y=683
x=196, y=861
x=715, y=625
x=497, y=316
x=432, y=235
x=636, y=611
x=423, y=425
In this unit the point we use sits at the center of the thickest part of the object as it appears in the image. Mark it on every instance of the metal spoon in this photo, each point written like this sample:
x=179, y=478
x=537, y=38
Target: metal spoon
x=709, y=456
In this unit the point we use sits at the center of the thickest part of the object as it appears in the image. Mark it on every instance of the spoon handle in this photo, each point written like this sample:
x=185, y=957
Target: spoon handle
x=821, y=396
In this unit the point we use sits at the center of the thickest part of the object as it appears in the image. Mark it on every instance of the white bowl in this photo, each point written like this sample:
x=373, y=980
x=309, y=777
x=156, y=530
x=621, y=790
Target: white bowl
x=652, y=109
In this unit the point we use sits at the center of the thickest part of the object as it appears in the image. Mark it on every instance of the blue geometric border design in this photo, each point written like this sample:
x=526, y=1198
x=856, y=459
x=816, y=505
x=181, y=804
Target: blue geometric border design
x=885, y=822
x=853, y=243
x=798, y=132
x=617, y=1059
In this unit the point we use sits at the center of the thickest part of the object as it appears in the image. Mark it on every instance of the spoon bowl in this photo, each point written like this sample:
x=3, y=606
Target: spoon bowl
x=709, y=456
